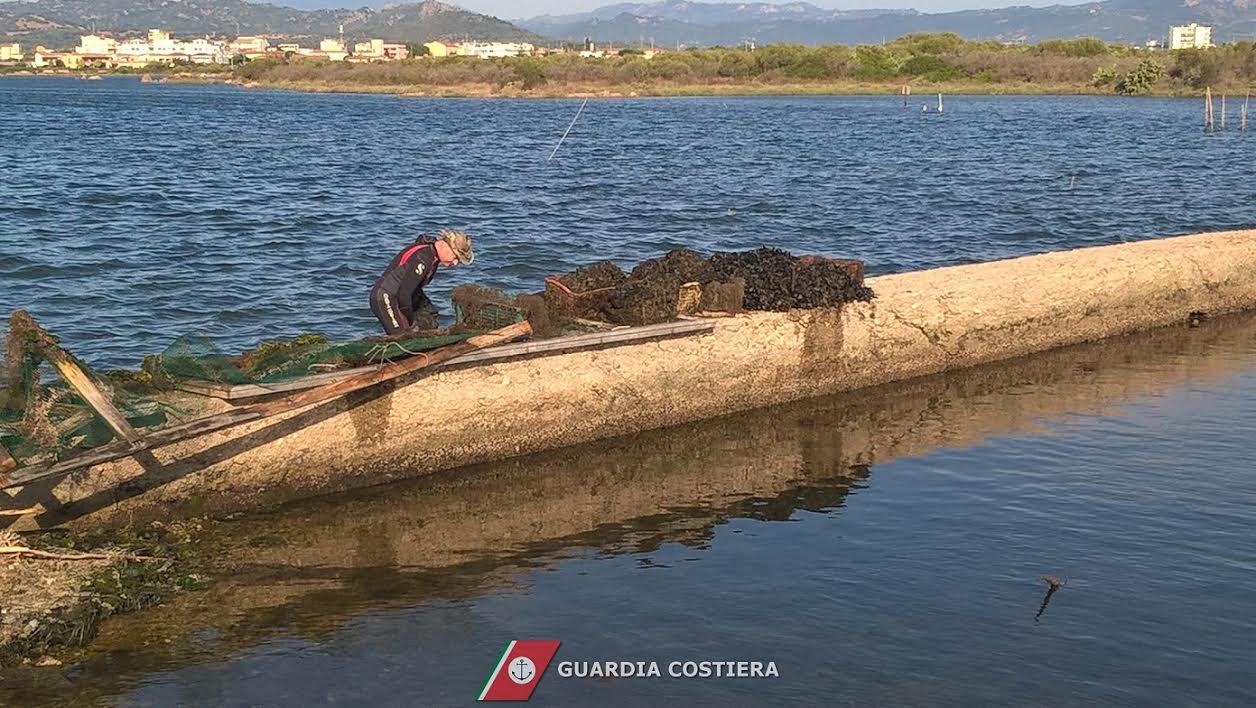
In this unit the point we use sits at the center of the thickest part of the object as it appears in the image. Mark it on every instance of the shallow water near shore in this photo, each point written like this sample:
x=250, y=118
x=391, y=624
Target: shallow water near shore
x=881, y=547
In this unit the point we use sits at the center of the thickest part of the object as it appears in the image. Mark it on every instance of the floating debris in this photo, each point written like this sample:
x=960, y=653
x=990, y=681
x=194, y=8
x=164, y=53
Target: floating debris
x=1053, y=584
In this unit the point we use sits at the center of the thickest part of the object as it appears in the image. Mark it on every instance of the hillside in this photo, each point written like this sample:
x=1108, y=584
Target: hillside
x=704, y=24
x=60, y=22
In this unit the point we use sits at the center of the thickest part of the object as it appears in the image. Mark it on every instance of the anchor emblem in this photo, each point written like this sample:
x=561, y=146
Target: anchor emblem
x=522, y=670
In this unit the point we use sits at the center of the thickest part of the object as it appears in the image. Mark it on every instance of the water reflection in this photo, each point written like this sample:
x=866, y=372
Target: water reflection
x=491, y=529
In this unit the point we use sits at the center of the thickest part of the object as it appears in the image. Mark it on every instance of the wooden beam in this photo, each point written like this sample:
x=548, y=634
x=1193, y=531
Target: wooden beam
x=558, y=345
x=7, y=463
x=201, y=426
x=74, y=375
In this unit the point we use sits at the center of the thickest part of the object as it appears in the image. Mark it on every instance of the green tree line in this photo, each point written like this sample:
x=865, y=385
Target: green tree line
x=1084, y=64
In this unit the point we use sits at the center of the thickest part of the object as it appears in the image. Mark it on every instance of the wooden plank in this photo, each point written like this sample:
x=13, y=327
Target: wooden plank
x=237, y=391
x=394, y=370
x=91, y=393
x=559, y=345
x=7, y=463
x=257, y=411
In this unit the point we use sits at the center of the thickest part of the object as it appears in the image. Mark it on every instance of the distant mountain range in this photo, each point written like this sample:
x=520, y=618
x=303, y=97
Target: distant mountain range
x=666, y=23
x=670, y=22
x=60, y=22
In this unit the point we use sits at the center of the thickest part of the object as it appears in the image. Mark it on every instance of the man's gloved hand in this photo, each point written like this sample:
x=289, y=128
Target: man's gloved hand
x=424, y=320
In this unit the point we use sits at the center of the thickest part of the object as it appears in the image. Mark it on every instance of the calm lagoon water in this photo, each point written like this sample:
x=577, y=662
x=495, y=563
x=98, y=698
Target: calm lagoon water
x=883, y=548
x=132, y=213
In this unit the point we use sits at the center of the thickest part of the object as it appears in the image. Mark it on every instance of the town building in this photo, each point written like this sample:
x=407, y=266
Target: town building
x=250, y=47
x=11, y=53
x=138, y=52
x=1192, y=36
x=440, y=49
x=44, y=57
x=496, y=50
x=379, y=50
x=97, y=45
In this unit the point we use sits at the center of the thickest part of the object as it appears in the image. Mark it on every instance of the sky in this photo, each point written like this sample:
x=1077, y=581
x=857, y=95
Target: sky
x=512, y=9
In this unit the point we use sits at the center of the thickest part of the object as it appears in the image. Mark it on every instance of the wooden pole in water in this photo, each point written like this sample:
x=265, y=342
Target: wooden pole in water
x=939, y=103
x=568, y=130
x=247, y=414
x=1243, y=119
x=1223, y=112
x=1208, y=110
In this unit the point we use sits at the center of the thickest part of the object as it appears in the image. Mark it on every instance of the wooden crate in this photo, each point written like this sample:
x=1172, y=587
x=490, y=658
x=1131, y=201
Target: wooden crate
x=562, y=301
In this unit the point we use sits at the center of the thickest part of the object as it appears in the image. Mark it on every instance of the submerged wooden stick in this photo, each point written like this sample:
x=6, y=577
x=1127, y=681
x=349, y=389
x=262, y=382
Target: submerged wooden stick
x=258, y=411
x=33, y=553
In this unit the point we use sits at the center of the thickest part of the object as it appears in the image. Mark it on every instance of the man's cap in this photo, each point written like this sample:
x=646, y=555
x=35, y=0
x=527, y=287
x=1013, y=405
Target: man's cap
x=460, y=244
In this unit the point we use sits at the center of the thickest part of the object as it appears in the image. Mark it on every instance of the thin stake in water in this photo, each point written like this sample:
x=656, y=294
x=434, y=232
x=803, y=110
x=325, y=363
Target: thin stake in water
x=1208, y=121
x=568, y=130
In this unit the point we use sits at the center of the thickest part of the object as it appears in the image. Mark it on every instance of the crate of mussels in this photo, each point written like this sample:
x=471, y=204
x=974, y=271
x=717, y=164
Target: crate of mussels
x=584, y=292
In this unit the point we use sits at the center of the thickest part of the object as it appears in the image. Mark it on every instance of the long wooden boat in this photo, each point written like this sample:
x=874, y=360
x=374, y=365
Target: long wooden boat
x=504, y=402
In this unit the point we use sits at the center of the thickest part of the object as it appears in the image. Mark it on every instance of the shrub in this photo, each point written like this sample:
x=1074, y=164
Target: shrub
x=1141, y=79
x=1103, y=76
x=933, y=68
x=875, y=64
x=1075, y=47
x=1197, y=67
x=530, y=73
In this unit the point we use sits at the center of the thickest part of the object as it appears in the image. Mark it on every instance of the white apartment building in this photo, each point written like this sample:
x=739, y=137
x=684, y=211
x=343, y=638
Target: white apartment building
x=159, y=48
x=495, y=50
x=1192, y=36
x=95, y=44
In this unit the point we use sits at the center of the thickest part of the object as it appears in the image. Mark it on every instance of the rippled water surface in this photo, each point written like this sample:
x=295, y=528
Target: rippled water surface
x=882, y=548
x=131, y=213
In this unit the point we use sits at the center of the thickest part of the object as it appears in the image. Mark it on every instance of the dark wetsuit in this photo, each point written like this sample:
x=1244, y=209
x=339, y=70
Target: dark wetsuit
x=397, y=297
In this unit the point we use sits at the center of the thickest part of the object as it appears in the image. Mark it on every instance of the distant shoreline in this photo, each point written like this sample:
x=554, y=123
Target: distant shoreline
x=922, y=93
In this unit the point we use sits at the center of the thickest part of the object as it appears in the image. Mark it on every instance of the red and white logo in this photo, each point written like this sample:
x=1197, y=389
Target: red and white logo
x=519, y=670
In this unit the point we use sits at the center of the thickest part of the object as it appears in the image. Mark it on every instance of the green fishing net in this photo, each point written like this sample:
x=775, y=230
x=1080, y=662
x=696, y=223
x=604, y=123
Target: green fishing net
x=41, y=419
x=193, y=358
